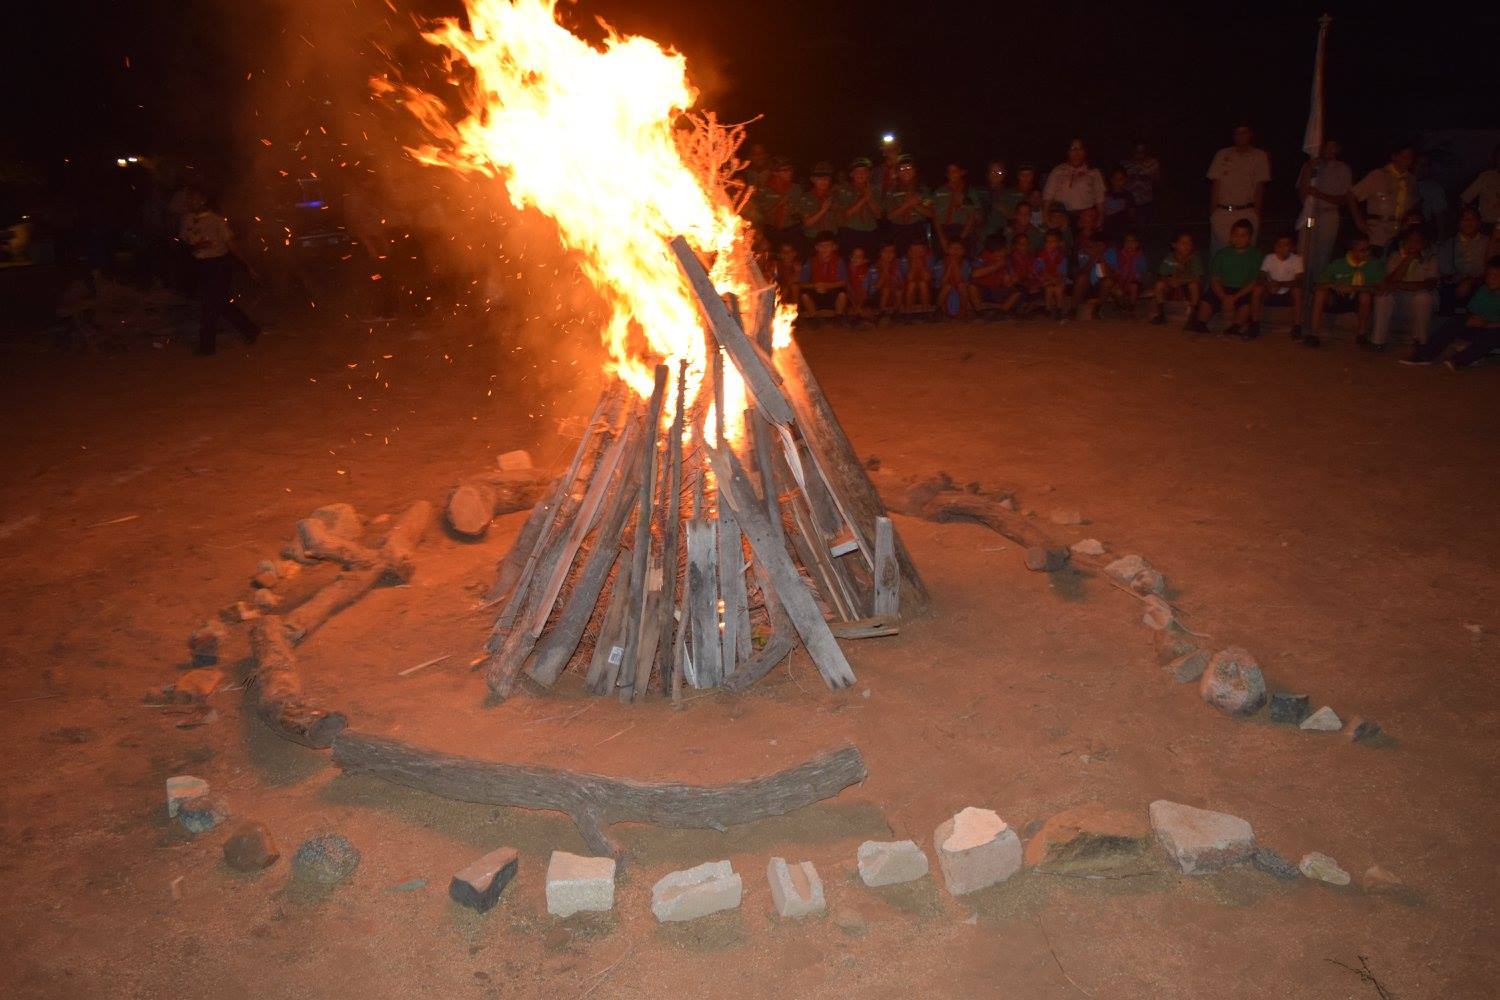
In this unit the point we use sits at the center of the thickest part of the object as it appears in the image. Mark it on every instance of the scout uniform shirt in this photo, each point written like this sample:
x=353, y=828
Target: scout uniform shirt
x=1076, y=187
x=1421, y=268
x=1186, y=270
x=1236, y=269
x=1463, y=256
x=778, y=209
x=1239, y=173
x=953, y=208
x=810, y=203
x=916, y=212
x=1388, y=194
x=867, y=216
x=1347, y=274
x=1331, y=177
x=1486, y=191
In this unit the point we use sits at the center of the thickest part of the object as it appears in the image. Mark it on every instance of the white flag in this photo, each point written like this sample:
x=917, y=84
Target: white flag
x=1312, y=139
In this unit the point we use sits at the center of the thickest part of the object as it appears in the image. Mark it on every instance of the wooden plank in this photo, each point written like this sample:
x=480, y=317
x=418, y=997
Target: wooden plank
x=630, y=674
x=887, y=570
x=702, y=603
x=732, y=591
x=798, y=603
x=666, y=662
x=609, y=650
x=842, y=469
x=867, y=628
x=761, y=379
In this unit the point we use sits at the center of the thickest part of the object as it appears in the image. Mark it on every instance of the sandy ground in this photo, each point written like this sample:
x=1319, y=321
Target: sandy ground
x=1331, y=511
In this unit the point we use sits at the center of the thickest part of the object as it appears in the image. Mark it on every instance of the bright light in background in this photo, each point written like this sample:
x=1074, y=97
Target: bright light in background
x=888, y=138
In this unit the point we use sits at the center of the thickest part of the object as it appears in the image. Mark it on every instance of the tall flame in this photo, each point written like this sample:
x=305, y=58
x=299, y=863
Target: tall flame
x=585, y=135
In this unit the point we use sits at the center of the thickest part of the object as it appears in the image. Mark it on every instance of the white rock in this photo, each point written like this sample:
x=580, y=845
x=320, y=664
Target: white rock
x=1125, y=568
x=1323, y=868
x=696, y=892
x=976, y=849
x=1233, y=683
x=1088, y=547
x=1324, y=720
x=180, y=789
x=796, y=890
x=1065, y=517
x=1156, y=613
x=576, y=884
x=889, y=862
x=1200, y=840
x=1148, y=581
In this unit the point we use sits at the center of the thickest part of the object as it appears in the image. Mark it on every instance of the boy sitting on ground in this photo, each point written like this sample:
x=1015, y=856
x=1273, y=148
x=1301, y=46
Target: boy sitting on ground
x=1023, y=274
x=917, y=298
x=1281, y=276
x=861, y=275
x=1232, y=278
x=1021, y=224
x=888, y=280
x=1346, y=285
x=1481, y=327
x=1179, y=277
x=1461, y=263
x=990, y=279
x=1089, y=269
x=1052, y=275
x=953, y=289
x=1126, y=275
x=788, y=275
x=825, y=280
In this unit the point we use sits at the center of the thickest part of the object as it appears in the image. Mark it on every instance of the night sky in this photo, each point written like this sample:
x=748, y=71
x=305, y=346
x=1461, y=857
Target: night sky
x=954, y=80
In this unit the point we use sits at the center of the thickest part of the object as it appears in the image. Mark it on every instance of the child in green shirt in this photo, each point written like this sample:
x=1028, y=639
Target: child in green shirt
x=1347, y=284
x=1232, y=278
x=1179, y=276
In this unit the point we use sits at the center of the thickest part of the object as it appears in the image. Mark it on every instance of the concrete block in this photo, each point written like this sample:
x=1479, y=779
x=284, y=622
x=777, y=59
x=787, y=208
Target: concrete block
x=479, y=885
x=696, y=892
x=181, y=788
x=576, y=884
x=889, y=862
x=796, y=889
x=975, y=850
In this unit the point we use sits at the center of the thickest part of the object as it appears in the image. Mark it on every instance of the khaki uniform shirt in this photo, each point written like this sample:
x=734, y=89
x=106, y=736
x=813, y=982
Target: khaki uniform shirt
x=1239, y=174
x=1387, y=196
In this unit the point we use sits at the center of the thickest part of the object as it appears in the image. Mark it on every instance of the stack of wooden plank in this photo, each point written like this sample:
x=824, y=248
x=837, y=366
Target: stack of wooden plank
x=673, y=552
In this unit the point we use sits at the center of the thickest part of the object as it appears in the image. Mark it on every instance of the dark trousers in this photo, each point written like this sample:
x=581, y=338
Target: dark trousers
x=215, y=304
x=1481, y=342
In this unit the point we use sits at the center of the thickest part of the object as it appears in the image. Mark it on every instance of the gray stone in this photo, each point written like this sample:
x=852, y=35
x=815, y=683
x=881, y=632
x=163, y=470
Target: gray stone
x=1360, y=730
x=1274, y=864
x=1188, y=667
x=206, y=644
x=696, y=892
x=578, y=884
x=1172, y=644
x=1289, y=709
x=976, y=849
x=1125, y=568
x=1157, y=613
x=1324, y=720
x=479, y=885
x=1148, y=581
x=202, y=814
x=1088, y=547
x=181, y=788
x=1323, y=868
x=796, y=890
x=326, y=859
x=1233, y=683
x=250, y=848
x=889, y=862
x=1200, y=840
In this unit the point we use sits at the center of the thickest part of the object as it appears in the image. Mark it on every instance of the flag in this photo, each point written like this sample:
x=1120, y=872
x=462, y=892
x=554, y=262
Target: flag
x=1312, y=139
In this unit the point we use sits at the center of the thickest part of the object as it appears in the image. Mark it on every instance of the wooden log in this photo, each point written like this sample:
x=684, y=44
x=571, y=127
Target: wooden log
x=887, y=602
x=799, y=605
x=508, y=571
x=761, y=379
x=638, y=606
x=701, y=604
x=609, y=651
x=776, y=649
x=277, y=689
x=595, y=801
x=474, y=503
x=318, y=542
x=874, y=627
x=732, y=591
x=666, y=663
x=842, y=469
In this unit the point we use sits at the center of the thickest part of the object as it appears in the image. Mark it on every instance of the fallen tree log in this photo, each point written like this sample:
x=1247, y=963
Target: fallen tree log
x=594, y=801
x=277, y=690
x=938, y=498
x=473, y=504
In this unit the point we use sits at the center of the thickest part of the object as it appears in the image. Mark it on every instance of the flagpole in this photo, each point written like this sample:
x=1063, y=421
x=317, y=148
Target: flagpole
x=1312, y=145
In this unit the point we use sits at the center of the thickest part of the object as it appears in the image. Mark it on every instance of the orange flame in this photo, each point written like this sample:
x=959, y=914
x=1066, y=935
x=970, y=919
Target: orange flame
x=585, y=135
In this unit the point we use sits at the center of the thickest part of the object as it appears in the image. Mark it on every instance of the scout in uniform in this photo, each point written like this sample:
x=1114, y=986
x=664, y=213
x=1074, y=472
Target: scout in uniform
x=908, y=206
x=955, y=210
x=1179, y=276
x=777, y=207
x=1388, y=193
x=859, y=209
x=1239, y=174
x=1347, y=284
x=818, y=206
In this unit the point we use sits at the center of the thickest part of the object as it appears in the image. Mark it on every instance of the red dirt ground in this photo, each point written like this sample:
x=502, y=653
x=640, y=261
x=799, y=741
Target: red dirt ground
x=1331, y=511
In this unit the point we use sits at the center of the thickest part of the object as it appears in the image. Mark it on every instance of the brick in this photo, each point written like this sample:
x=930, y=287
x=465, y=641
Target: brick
x=577, y=884
x=479, y=885
x=696, y=892
x=796, y=890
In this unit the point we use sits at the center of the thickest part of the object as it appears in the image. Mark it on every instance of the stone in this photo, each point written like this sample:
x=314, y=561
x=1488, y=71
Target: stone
x=1377, y=879
x=250, y=848
x=1289, y=709
x=576, y=884
x=1188, y=667
x=696, y=892
x=181, y=788
x=341, y=520
x=890, y=862
x=198, y=683
x=239, y=611
x=1273, y=864
x=265, y=579
x=1170, y=645
x=326, y=859
x=1200, y=840
x=1233, y=683
x=1088, y=547
x=796, y=890
x=1125, y=568
x=206, y=643
x=1324, y=720
x=1065, y=517
x=1157, y=613
x=976, y=849
x=470, y=509
x=1089, y=839
x=479, y=885
x=1041, y=559
x=201, y=813
x=1360, y=730
x=287, y=568
x=1323, y=868
x=1148, y=581
x=265, y=600
x=1008, y=503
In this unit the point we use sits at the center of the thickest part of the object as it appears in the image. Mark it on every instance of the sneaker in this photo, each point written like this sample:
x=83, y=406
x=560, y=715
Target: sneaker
x=1415, y=362
x=1160, y=319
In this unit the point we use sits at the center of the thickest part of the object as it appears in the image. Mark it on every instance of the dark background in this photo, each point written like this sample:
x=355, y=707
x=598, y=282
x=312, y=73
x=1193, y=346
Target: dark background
x=201, y=82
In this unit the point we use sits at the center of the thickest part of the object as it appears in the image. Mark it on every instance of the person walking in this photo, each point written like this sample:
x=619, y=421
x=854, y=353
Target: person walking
x=211, y=242
x=1239, y=174
x=1325, y=179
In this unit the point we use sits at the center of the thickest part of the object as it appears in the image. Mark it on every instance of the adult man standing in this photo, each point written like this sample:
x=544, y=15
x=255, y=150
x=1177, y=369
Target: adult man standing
x=1239, y=174
x=1388, y=193
x=1074, y=183
x=207, y=235
x=1485, y=190
x=1325, y=179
